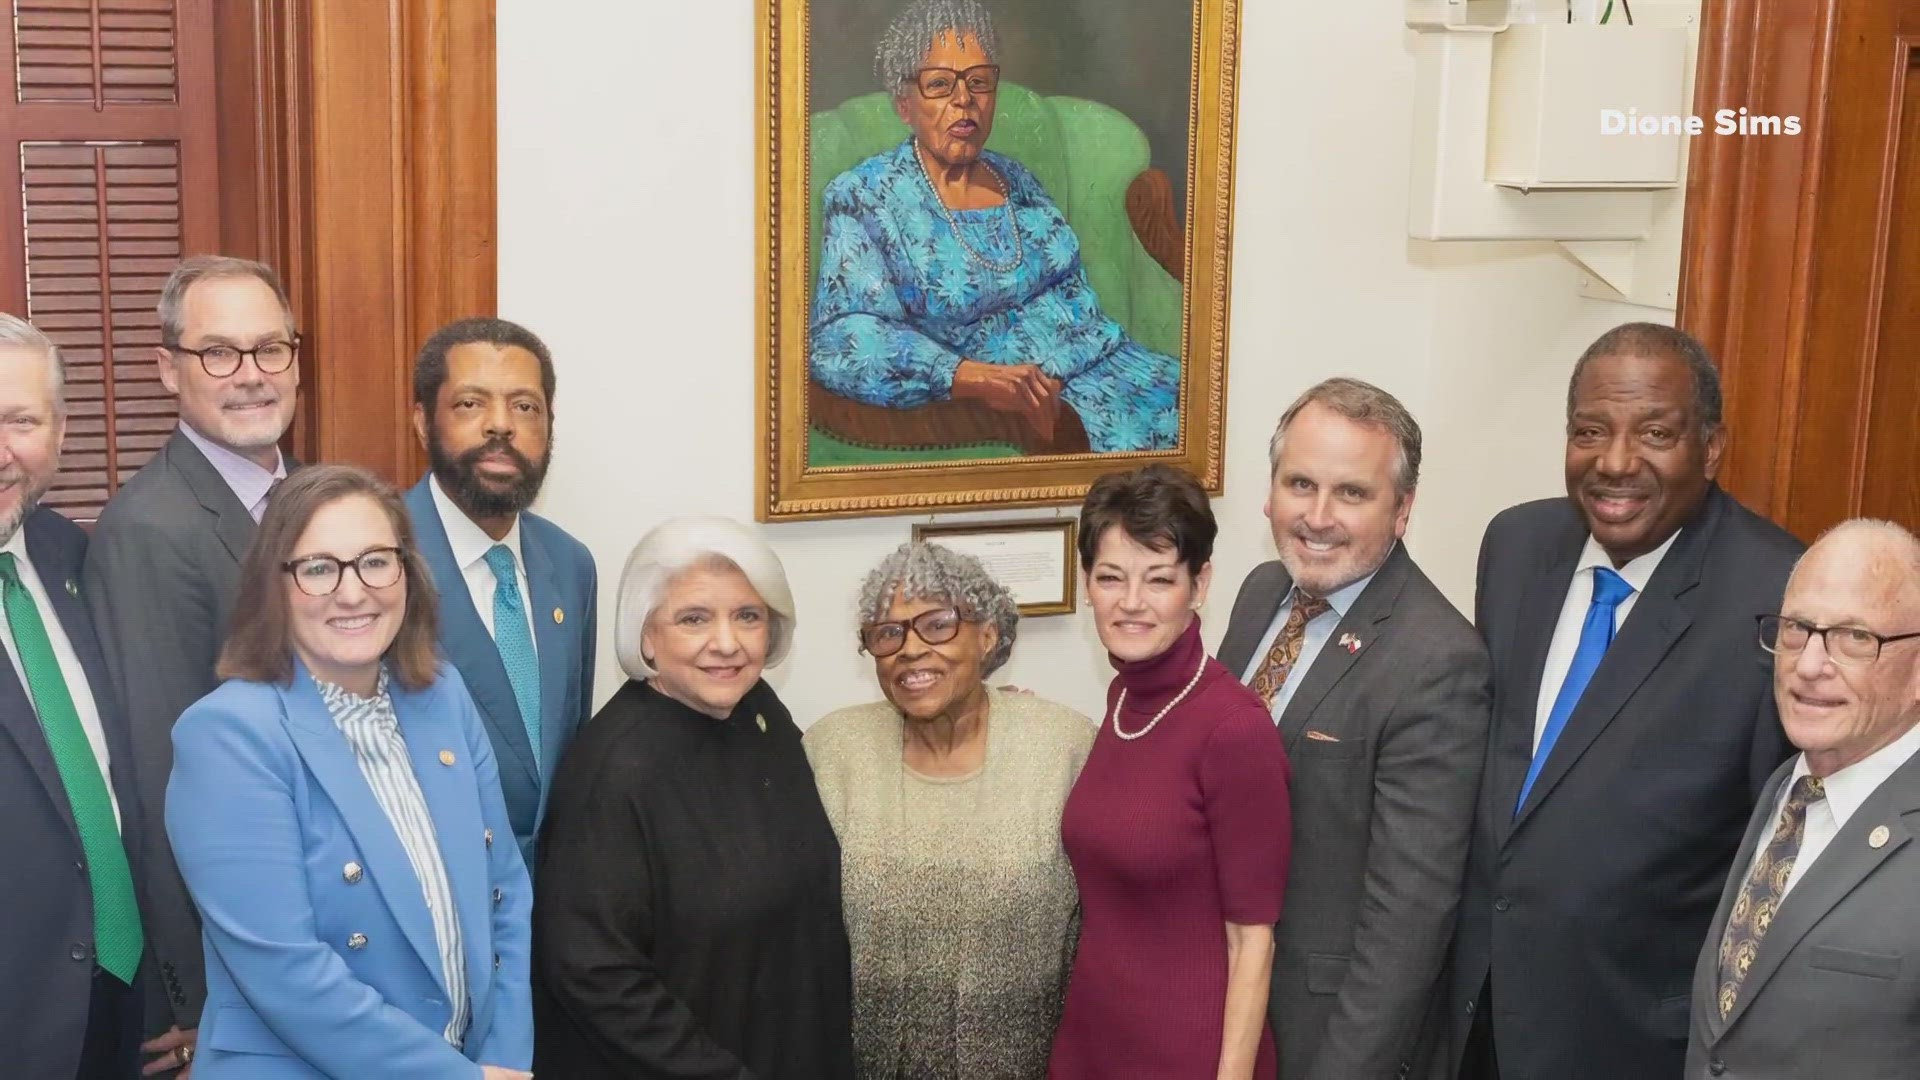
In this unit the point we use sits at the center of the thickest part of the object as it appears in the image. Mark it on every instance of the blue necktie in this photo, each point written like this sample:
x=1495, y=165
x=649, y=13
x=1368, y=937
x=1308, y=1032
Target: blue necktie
x=1609, y=591
x=513, y=637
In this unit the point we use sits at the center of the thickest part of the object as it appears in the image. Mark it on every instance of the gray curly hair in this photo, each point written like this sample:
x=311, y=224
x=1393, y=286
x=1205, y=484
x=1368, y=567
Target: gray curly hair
x=920, y=571
x=917, y=26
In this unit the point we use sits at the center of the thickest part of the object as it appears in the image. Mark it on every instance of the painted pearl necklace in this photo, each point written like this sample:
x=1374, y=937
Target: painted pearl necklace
x=1121, y=701
x=953, y=223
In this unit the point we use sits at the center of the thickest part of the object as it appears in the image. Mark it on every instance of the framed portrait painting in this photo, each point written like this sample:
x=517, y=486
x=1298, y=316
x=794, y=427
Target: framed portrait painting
x=993, y=240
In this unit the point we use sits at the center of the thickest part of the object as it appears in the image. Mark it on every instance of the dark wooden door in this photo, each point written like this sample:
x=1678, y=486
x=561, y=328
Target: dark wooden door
x=1802, y=267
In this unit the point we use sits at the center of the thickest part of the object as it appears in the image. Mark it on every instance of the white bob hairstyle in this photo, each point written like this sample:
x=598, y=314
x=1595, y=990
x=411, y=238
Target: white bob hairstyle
x=679, y=545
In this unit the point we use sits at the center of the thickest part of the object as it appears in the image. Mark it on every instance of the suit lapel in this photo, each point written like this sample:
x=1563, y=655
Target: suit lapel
x=1244, y=634
x=550, y=643
x=449, y=793
x=464, y=639
x=1759, y=828
x=330, y=759
x=18, y=718
x=1660, y=615
x=1541, y=599
x=1372, y=607
x=1846, y=862
x=232, y=523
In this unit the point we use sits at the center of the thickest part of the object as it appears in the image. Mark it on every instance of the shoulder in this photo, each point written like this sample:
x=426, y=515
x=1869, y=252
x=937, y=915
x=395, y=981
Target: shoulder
x=1761, y=543
x=1262, y=579
x=1041, y=722
x=1433, y=619
x=1019, y=177
x=1234, y=710
x=1525, y=523
x=48, y=526
x=869, y=177
x=237, y=714
x=851, y=727
x=560, y=544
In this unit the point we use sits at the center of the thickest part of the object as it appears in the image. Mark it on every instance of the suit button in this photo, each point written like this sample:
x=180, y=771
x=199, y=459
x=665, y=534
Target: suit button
x=353, y=873
x=1500, y=904
x=489, y=837
x=1405, y=1071
x=1716, y=1066
x=497, y=897
x=78, y=951
x=1469, y=1008
x=356, y=941
x=496, y=961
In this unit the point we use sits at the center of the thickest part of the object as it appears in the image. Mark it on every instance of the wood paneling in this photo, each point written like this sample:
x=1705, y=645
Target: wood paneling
x=108, y=175
x=1795, y=271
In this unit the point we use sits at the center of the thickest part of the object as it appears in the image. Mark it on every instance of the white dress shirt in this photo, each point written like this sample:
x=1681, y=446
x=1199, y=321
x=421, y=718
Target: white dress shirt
x=1573, y=616
x=1313, y=639
x=77, y=685
x=1846, y=789
x=470, y=545
x=247, y=480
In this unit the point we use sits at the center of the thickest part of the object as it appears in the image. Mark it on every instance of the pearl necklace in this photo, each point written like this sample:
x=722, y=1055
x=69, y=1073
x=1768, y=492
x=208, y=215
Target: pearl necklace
x=1120, y=702
x=1006, y=206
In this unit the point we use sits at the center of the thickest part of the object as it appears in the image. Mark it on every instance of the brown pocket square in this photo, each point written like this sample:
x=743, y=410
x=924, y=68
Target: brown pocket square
x=1321, y=736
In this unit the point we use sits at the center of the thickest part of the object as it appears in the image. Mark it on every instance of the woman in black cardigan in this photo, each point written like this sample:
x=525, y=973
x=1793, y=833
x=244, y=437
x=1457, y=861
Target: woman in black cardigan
x=687, y=908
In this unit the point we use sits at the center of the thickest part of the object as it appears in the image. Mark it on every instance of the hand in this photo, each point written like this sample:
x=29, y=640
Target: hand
x=495, y=1072
x=1021, y=388
x=173, y=1050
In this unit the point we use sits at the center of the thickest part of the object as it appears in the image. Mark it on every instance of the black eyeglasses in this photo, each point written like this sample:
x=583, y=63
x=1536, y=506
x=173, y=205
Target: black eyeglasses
x=220, y=361
x=321, y=575
x=936, y=627
x=1850, y=645
x=936, y=83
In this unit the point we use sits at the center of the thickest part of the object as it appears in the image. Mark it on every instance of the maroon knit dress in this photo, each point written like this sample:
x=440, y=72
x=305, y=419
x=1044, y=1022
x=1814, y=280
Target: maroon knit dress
x=1171, y=835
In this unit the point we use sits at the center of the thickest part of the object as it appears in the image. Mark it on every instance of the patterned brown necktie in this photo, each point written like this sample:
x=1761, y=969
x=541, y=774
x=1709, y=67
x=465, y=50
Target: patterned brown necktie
x=1759, y=898
x=1286, y=646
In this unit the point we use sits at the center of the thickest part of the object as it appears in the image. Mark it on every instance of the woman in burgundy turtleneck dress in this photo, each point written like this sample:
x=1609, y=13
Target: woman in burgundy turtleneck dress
x=1178, y=827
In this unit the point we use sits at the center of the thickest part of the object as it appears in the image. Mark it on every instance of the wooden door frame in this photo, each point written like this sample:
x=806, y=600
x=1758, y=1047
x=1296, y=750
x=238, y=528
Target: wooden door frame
x=358, y=158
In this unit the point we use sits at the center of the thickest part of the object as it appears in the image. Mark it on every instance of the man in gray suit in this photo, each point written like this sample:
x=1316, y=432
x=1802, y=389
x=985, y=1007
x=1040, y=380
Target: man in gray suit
x=1382, y=693
x=1809, y=968
x=162, y=566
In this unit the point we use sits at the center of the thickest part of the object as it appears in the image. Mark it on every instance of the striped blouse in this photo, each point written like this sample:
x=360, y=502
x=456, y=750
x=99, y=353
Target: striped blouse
x=373, y=731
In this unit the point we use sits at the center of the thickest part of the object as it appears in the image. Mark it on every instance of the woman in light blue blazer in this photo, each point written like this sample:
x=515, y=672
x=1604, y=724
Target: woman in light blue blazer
x=336, y=813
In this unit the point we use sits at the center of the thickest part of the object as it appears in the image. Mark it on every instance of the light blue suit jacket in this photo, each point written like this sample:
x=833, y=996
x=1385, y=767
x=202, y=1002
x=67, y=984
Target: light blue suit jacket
x=562, y=579
x=266, y=807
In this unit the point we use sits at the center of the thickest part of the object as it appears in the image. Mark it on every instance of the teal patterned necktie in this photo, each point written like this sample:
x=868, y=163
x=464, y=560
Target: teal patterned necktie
x=513, y=636
x=117, y=937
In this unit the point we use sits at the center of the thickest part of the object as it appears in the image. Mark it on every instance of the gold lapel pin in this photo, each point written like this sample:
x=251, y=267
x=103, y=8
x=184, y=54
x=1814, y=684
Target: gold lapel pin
x=446, y=757
x=1878, y=838
x=761, y=720
x=72, y=588
x=559, y=616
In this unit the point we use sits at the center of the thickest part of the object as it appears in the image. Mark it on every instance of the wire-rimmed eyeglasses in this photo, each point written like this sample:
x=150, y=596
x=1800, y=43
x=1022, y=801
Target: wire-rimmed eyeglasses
x=1852, y=645
x=220, y=361
x=321, y=575
x=936, y=627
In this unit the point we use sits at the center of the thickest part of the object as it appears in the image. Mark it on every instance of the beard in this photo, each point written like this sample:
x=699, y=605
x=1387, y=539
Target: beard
x=1352, y=559
x=30, y=497
x=459, y=475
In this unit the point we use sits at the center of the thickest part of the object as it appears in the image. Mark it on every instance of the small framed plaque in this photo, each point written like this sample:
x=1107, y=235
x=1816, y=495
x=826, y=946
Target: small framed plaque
x=1033, y=559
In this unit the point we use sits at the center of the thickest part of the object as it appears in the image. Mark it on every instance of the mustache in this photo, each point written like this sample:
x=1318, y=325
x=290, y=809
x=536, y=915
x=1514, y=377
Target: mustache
x=1332, y=534
x=496, y=446
x=243, y=399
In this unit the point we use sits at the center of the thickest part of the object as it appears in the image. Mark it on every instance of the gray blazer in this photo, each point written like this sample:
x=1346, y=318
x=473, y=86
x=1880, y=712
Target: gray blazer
x=1836, y=985
x=160, y=575
x=1380, y=822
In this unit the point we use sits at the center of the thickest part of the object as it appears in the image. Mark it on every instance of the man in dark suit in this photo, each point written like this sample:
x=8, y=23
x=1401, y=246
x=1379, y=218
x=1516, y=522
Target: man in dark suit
x=71, y=938
x=163, y=565
x=517, y=594
x=1380, y=689
x=1633, y=727
x=1808, y=968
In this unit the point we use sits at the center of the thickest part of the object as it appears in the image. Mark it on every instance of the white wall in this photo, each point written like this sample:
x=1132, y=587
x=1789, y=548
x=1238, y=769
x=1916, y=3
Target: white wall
x=626, y=240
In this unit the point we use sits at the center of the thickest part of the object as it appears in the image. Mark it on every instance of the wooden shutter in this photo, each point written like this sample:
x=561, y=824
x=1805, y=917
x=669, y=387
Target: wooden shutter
x=108, y=157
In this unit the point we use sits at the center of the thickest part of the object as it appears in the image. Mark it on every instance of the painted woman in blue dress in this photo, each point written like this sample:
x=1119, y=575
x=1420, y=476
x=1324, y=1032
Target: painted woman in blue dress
x=948, y=274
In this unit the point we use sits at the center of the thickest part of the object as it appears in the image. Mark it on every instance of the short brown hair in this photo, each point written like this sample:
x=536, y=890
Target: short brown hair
x=1159, y=506
x=190, y=272
x=1362, y=403
x=259, y=646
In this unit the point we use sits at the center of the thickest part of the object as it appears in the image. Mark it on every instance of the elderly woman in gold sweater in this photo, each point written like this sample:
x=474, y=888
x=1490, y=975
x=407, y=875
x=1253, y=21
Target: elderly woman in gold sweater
x=946, y=797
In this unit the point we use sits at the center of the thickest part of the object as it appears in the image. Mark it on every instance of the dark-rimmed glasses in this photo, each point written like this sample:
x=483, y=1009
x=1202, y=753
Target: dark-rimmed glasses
x=936, y=627
x=321, y=575
x=937, y=83
x=220, y=361
x=1851, y=645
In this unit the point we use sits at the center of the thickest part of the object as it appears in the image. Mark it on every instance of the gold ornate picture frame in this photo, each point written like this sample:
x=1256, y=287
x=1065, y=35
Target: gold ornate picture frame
x=1102, y=266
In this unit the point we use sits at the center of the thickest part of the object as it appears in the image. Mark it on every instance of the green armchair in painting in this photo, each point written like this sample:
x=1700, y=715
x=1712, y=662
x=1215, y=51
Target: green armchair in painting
x=1083, y=158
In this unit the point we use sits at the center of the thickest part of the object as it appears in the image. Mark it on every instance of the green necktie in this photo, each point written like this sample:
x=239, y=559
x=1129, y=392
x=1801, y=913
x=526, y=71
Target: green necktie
x=117, y=938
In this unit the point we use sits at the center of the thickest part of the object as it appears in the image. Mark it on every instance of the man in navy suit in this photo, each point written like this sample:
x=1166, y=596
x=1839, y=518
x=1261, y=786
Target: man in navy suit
x=517, y=610
x=71, y=940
